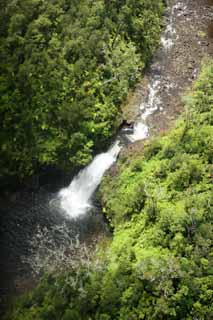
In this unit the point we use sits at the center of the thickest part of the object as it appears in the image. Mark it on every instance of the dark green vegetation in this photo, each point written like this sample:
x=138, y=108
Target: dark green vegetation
x=66, y=66
x=159, y=263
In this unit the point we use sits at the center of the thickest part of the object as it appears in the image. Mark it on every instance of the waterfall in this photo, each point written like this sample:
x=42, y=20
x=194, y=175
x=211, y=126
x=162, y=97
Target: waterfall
x=75, y=200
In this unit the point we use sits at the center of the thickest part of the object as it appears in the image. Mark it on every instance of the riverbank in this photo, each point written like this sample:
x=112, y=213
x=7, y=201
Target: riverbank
x=159, y=203
x=158, y=262
x=188, y=41
x=176, y=71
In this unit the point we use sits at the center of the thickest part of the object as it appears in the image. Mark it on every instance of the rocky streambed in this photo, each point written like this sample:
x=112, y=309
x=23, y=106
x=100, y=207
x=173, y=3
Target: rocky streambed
x=34, y=233
x=186, y=42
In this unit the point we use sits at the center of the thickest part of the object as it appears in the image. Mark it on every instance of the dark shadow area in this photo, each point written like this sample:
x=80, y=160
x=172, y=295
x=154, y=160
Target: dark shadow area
x=20, y=220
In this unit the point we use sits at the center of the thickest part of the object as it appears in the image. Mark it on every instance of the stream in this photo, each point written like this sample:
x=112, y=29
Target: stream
x=39, y=228
x=75, y=200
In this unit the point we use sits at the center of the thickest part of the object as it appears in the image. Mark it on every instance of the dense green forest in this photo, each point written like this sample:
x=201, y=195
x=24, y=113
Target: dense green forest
x=66, y=66
x=159, y=263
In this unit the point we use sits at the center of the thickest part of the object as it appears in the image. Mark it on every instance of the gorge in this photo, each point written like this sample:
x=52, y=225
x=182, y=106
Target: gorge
x=31, y=216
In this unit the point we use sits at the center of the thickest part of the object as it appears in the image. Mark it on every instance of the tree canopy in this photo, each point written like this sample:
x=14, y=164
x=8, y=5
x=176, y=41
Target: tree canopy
x=159, y=262
x=66, y=66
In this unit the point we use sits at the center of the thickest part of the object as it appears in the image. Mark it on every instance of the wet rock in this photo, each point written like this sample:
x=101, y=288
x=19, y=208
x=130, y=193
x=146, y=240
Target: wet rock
x=23, y=212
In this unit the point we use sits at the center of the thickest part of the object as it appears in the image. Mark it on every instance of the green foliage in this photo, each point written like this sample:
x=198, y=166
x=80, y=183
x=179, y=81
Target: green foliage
x=167, y=241
x=159, y=263
x=66, y=66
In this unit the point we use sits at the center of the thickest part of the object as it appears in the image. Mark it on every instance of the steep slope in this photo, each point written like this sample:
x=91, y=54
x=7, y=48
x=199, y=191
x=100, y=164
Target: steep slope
x=159, y=262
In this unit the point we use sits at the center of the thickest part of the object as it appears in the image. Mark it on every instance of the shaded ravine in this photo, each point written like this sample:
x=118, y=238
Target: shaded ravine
x=31, y=220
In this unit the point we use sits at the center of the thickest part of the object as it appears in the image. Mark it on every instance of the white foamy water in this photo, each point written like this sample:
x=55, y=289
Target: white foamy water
x=167, y=39
x=141, y=129
x=75, y=200
x=170, y=34
x=153, y=100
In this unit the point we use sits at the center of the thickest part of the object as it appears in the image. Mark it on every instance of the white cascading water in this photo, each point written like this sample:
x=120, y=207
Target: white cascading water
x=75, y=200
x=141, y=130
x=170, y=34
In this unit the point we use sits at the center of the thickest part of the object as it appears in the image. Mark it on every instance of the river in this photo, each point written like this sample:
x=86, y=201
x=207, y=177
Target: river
x=39, y=228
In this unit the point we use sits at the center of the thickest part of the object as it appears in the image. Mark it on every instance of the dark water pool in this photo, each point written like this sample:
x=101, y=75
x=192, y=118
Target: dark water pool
x=30, y=216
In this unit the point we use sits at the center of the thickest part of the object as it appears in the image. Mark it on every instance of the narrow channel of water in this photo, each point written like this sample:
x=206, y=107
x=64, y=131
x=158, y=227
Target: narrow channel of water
x=153, y=101
x=32, y=214
x=75, y=200
x=37, y=228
